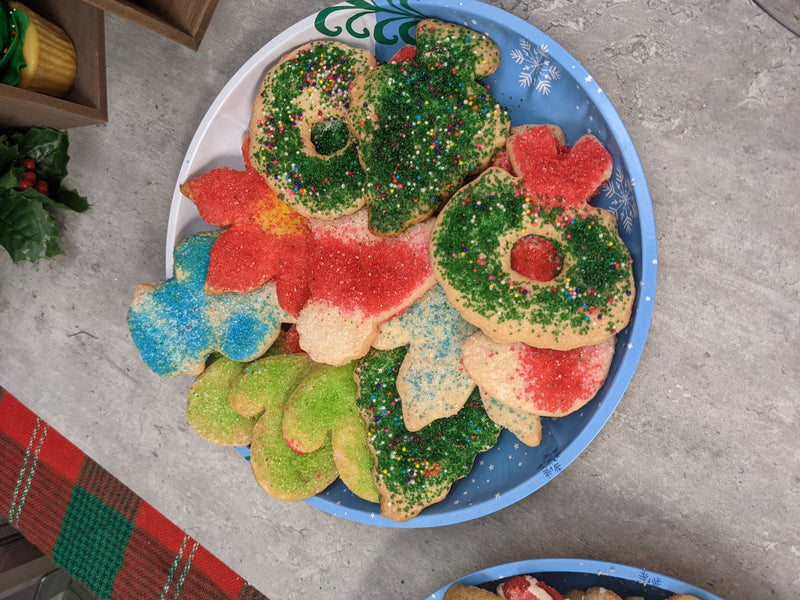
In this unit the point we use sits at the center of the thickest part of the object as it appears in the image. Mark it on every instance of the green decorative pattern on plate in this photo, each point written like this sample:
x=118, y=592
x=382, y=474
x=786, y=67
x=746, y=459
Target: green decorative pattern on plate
x=401, y=11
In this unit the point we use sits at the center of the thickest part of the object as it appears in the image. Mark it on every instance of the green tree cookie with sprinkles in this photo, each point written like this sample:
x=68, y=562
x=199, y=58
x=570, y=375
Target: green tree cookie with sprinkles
x=426, y=124
x=416, y=469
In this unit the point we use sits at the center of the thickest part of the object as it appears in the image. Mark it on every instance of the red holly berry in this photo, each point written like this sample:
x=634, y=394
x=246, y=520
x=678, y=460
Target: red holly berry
x=24, y=184
x=29, y=164
x=30, y=175
x=42, y=187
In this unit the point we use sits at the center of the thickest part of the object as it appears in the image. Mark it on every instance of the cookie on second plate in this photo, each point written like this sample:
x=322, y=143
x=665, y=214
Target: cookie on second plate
x=468, y=592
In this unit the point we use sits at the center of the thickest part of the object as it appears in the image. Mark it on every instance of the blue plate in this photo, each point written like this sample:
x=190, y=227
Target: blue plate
x=539, y=82
x=564, y=574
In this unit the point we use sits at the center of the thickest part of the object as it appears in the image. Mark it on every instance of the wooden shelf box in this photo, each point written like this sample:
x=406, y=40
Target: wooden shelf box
x=184, y=21
x=86, y=103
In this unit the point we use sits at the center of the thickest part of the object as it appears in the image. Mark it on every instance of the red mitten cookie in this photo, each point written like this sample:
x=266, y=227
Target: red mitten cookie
x=552, y=172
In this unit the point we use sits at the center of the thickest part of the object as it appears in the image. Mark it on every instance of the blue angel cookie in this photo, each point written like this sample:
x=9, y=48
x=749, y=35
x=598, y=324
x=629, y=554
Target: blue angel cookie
x=432, y=382
x=176, y=325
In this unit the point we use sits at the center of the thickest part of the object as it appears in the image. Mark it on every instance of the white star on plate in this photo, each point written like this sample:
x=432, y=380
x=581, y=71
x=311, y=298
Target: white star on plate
x=588, y=78
x=491, y=467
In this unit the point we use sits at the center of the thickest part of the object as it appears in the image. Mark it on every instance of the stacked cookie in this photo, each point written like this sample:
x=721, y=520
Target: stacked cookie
x=397, y=277
x=528, y=587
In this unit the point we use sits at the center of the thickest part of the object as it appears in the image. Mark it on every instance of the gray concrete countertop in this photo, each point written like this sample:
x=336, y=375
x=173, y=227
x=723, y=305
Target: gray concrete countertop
x=697, y=473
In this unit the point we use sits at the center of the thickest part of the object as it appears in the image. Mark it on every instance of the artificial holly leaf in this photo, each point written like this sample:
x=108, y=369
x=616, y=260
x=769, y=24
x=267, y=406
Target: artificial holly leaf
x=9, y=154
x=71, y=199
x=27, y=229
x=48, y=147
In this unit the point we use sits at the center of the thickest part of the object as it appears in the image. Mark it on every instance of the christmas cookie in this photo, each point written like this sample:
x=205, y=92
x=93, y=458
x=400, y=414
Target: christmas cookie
x=299, y=138
x=357, y=281
x=323, y=407
x=176, y=325
x=525, y=425
x=526, y=587
x=208, y=410
x=426, y=124
x=468, y=592
x=588, y=301
x=594, y=593
x=264, y=239
x=554, y=173
x=550, y=383
x=415, y=469
x=431, y=382
x=280, y=471
x=266, y=381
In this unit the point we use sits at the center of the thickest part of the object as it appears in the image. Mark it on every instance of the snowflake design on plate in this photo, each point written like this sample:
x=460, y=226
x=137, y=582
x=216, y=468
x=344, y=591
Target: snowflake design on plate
x=622, y=200
x=649, y=578
x=402, y=13
x=537, y=71
x=550, y=465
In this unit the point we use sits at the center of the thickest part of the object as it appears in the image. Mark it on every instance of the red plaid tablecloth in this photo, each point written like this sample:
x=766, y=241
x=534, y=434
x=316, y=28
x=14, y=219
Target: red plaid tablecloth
x=94, y=527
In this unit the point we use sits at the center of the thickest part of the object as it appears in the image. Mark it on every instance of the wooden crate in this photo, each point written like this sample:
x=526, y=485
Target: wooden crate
x=86, y=103
x=184, y=21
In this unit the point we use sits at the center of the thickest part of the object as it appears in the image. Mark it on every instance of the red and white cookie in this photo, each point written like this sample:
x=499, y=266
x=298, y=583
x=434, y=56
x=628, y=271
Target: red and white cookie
x=526, y=587
x=357, y=281
x=550, y=383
